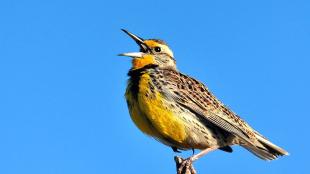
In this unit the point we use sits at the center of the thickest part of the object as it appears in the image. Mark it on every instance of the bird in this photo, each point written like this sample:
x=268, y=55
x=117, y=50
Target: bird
x=180, y=111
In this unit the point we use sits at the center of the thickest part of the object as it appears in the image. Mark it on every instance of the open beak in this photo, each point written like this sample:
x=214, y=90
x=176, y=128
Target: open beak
x=133, y=54
x=143, y=47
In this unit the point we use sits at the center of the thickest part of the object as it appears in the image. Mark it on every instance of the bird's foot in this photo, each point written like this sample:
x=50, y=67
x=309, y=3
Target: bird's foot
x=175, y=150
x=184, y=166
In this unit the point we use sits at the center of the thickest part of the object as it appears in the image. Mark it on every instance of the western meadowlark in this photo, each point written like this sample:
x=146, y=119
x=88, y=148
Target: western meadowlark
x=180, y=111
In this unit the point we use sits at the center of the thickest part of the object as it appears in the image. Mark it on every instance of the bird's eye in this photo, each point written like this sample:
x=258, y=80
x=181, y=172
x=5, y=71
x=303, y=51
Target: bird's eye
x=157, y=49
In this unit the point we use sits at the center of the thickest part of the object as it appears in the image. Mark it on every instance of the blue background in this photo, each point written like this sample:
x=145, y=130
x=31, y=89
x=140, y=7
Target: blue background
x=62, y=106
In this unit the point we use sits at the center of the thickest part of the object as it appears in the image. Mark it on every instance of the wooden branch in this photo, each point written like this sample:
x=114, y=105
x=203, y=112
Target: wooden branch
x=184, y=166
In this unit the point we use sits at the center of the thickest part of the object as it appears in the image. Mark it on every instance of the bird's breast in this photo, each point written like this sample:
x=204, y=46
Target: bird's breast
x=152, y=113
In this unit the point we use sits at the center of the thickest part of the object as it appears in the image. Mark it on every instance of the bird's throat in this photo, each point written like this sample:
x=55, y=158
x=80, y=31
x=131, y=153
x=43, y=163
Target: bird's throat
x=138, y=63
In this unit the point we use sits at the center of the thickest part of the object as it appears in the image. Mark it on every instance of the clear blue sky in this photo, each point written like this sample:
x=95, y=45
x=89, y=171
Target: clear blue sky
x=62, y=106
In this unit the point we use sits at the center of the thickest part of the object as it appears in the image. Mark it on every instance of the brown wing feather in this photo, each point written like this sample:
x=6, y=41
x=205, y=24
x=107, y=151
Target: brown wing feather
x=196, y=97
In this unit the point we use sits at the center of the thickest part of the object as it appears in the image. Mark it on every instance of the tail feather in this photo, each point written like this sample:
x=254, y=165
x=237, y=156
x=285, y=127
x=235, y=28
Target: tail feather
x=264, y=149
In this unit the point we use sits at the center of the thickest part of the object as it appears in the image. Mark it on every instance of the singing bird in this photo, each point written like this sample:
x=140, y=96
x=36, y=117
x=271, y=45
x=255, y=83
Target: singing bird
x=180, y=111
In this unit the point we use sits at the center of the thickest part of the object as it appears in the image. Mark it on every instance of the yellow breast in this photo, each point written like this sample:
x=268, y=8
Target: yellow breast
x=152, y=114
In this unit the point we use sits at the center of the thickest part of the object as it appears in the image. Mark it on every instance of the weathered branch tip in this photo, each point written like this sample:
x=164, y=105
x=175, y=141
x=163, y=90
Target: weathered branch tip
x=184, y=166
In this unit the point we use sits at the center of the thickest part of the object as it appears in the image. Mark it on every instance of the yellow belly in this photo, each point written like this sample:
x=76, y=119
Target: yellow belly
x=153, y=115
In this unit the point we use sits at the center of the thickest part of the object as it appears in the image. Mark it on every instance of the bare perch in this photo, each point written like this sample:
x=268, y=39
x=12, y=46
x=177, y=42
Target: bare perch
x=184, y=166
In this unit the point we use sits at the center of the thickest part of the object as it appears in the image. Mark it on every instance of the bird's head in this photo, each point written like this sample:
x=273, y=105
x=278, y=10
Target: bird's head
x=152, y=52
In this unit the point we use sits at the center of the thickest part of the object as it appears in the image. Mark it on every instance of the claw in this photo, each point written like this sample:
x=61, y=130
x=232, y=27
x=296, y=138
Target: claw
x=175, y=150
